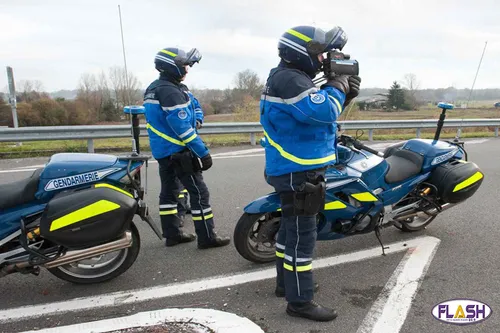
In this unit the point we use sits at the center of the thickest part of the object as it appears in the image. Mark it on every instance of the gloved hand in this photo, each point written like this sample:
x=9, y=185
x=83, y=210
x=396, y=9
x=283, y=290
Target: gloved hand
x=341, y=82
x=206, y=162
x=198, y=124
x=354, y=85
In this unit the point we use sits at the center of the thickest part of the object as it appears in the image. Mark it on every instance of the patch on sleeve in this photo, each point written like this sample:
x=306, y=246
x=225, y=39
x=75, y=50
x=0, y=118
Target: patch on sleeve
x=317, y=98
x=182, y=114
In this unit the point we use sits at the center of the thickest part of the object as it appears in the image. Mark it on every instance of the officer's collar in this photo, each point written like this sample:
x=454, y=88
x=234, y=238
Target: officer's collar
x=284, y=64
x=169, y=78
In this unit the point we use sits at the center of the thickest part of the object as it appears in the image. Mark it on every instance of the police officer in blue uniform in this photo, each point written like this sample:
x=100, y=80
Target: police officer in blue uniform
x=181, y=154
x=299, y=122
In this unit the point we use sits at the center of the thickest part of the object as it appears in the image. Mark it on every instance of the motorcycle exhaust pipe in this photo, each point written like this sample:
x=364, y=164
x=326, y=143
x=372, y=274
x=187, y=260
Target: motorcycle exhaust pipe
x=13, y=268
x=72, y=256
x=431, y=212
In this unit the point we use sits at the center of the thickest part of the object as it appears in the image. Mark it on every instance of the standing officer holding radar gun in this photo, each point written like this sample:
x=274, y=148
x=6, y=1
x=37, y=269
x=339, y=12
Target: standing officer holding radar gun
x=300, y=126
x=181, y=154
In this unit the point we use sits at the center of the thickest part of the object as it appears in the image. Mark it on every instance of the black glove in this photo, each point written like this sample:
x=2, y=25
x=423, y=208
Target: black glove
x=354, y=85
x=341, y=82
x=198, y=124
x=206, y=162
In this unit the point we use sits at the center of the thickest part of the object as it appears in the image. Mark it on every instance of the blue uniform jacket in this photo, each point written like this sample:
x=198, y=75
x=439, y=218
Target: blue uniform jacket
x=299, y=122
x=196, y=104
x=171, y=119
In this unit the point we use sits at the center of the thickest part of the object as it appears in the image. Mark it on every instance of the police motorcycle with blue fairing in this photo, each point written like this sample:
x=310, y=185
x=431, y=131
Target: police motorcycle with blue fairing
x=406, y=186
x=74, y=215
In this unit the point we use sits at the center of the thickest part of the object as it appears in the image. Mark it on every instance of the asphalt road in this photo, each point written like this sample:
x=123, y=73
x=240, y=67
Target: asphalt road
x=466, y=264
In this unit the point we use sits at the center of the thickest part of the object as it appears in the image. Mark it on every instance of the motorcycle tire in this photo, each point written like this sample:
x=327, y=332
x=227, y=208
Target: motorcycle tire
x=78, y=275
x=242, y=235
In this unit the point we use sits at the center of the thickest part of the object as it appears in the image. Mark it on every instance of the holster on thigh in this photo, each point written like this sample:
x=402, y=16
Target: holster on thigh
x=307, y=200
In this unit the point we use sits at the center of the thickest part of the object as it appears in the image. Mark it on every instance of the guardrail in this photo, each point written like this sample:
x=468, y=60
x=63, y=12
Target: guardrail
x=89, y=133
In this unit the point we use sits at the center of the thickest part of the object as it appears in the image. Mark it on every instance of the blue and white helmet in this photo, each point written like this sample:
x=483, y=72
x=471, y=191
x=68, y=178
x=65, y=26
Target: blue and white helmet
x=300, y=46
x=172, y=61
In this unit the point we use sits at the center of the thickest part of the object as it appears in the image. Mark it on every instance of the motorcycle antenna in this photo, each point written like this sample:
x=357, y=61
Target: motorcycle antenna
x=459, y=131
x=134, y=148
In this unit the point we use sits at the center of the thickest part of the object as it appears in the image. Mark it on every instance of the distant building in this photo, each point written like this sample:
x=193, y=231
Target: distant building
x=377, y=101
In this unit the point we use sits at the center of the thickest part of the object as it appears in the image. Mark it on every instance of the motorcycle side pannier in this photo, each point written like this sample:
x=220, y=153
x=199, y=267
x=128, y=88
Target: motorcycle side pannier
x=87, y=217
x=456, y=180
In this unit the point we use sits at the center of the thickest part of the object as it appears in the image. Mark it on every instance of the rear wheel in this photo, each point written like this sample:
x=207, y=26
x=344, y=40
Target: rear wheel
x=255, y=236
x=103, y=267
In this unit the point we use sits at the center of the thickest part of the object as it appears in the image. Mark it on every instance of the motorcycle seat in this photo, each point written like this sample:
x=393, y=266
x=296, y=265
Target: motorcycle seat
x=403, y=164
x=19, y=192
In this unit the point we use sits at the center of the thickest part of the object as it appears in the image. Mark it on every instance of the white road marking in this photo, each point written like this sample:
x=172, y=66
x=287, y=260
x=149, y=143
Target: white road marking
x=237, y=156
x=32, y=166
x=388, y=313
x=216, y=321
x=419, y=247
x=240, y=152
x=17, y=170
x=473, y=142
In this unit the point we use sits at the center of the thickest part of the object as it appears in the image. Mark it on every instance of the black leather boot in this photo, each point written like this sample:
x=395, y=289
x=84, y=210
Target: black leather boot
x=183, y=238
x=215, y=242
x=311, y=310
x=280, y=292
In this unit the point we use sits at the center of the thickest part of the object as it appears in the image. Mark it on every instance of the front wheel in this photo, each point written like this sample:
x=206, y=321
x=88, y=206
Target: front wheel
x=255, y=236
x=103, y=267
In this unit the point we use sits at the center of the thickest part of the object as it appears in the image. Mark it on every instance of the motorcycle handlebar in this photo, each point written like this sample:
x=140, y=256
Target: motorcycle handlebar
x=358, y=145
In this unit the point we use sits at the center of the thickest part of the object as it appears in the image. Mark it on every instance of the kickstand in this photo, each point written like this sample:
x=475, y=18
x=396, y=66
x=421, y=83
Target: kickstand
x=377, y=233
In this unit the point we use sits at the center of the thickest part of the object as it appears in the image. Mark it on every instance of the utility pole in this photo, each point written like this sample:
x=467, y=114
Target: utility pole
x=12, y=98
x=12, y=95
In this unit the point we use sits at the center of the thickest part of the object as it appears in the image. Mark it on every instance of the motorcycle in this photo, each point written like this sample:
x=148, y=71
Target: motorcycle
x=74, y=215
x=407, y=186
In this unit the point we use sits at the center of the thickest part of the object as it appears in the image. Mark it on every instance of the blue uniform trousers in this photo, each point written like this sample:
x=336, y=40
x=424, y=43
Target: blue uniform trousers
x=295, y=242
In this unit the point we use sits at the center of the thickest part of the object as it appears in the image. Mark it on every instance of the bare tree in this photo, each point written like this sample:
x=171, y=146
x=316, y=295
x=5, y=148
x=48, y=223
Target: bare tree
x=88, y=92
x=249, y=83
x=125, y=93
x=30, y=90
x=411, y=82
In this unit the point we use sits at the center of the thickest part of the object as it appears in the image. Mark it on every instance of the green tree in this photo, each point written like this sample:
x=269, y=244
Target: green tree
x=396, y=98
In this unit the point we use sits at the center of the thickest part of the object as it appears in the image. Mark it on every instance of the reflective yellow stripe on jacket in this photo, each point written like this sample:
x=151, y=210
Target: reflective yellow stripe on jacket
x=298, y=160
x=164, y=136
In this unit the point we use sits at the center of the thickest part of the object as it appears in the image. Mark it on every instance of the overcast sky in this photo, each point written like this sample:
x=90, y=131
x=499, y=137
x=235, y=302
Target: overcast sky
x=440, y=41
